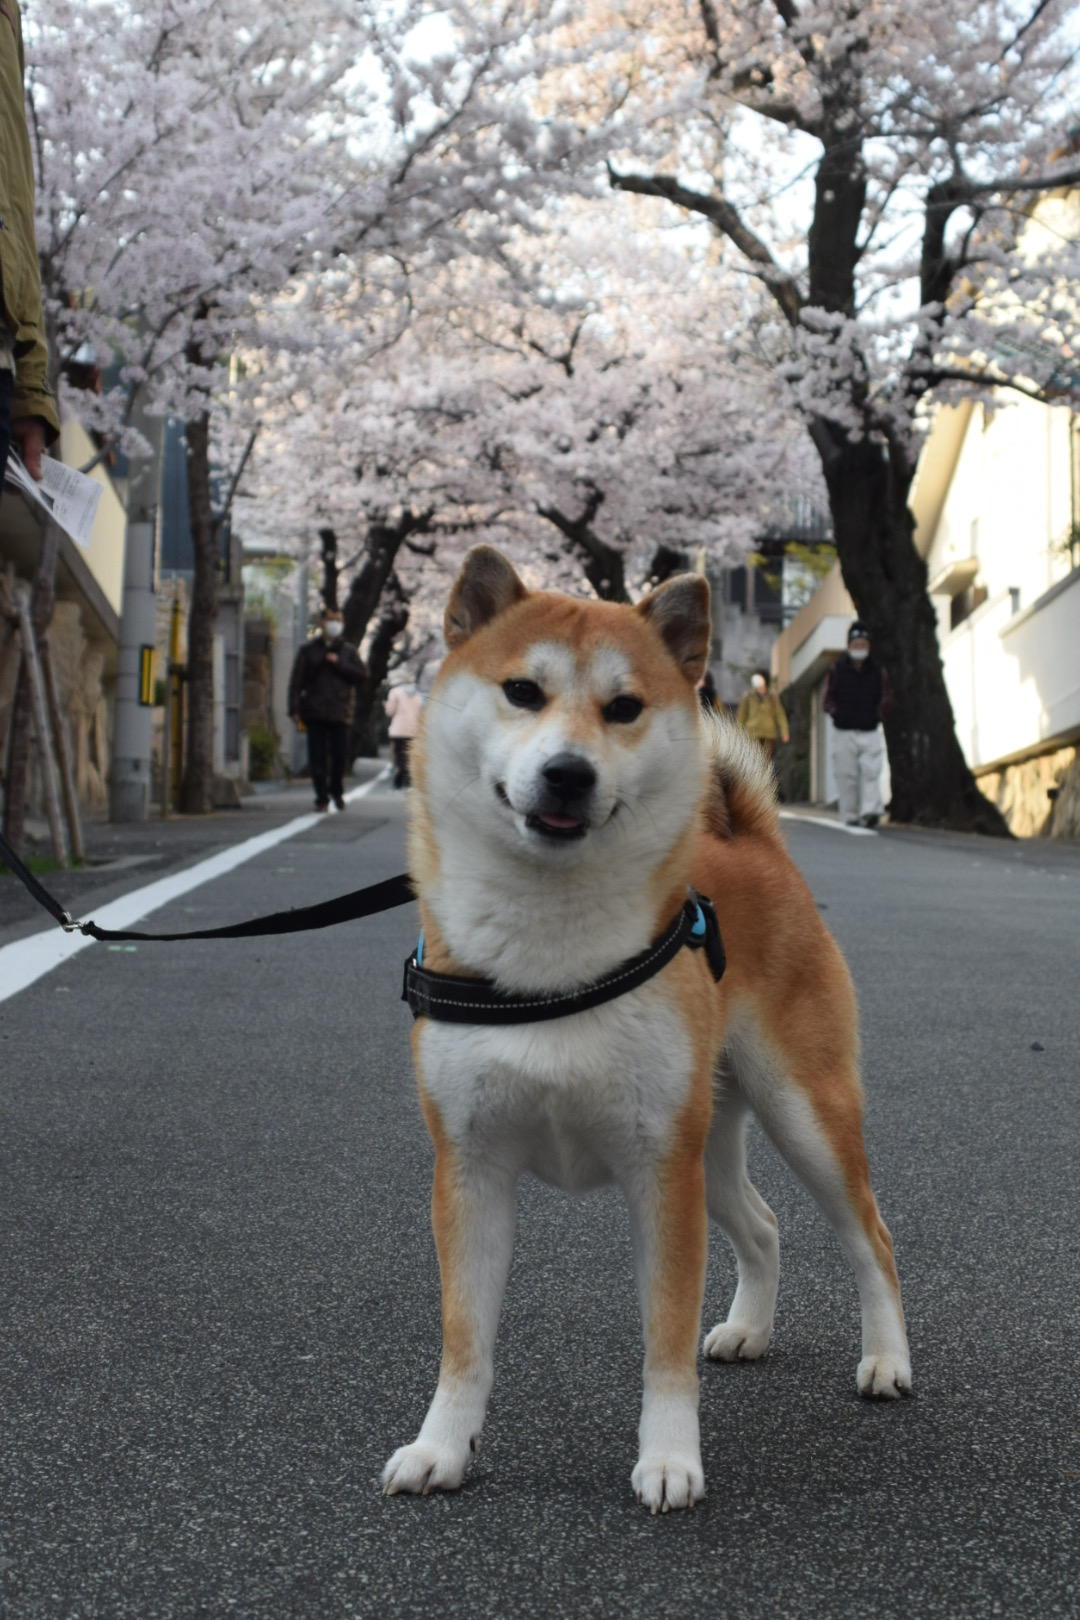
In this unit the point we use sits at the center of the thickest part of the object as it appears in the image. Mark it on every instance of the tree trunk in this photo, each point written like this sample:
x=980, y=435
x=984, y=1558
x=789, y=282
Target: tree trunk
x=932, y=784
x=196, y=793
x=365, y=594
x=665, y=564
x=383, y=543
x=328, y=548
x=364, y=738
x=604, y=567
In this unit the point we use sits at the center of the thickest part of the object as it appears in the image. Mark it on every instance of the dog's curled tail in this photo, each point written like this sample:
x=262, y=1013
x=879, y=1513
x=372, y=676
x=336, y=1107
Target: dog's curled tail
x=741, y=800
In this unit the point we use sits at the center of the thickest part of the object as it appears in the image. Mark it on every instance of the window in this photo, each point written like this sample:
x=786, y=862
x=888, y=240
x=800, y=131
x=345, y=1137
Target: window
x=767, y=604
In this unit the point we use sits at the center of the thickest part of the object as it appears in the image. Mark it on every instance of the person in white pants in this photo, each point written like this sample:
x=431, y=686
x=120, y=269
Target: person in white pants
x=856, y=694
x=858, y=758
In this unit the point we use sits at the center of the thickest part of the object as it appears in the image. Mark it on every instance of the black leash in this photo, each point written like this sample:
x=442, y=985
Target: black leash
x=395, y=891
x=445, y=997
x=38, y=890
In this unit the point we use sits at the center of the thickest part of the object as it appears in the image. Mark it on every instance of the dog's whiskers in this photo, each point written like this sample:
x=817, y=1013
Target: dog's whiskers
x=451, y=802
x=440, y=702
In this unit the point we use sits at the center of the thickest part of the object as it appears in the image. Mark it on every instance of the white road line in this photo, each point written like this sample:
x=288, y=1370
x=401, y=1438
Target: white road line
x=358, y=793
x=27, y=960
x=826, y=821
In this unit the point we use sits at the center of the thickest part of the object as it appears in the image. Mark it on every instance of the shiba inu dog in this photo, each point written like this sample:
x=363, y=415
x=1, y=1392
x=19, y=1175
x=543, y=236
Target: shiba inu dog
x=568, y=792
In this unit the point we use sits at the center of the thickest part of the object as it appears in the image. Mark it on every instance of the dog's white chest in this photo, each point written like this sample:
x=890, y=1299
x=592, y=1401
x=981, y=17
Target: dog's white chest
x=574, y=1100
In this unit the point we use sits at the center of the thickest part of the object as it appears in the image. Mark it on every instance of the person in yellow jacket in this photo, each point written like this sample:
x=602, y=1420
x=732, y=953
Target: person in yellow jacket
x=761, y=714
x=28, y=414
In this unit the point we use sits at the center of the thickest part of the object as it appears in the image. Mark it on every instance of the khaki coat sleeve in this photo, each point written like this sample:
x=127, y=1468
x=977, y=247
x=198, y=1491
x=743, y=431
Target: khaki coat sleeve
x=20, y=277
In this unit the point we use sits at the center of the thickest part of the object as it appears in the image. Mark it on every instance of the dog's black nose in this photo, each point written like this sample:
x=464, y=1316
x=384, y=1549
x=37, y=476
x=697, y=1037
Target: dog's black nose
x=570, y=776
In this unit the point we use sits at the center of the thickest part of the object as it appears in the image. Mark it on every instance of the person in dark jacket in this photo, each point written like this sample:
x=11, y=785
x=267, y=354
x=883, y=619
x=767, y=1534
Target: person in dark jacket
x=857, y=693
x=320, y=699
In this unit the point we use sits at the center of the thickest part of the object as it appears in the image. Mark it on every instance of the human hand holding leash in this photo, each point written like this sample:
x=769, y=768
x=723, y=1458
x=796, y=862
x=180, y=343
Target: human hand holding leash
x=29, y=434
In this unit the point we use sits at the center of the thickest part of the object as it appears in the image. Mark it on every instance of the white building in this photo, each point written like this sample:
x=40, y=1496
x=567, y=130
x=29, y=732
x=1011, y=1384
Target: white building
x=997, y=506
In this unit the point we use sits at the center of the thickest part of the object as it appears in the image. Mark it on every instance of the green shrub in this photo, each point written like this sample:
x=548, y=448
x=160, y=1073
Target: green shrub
x=262, y=753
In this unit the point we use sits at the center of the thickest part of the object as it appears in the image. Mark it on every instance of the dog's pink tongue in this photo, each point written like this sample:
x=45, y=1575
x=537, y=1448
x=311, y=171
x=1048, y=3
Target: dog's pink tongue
x=550, y=819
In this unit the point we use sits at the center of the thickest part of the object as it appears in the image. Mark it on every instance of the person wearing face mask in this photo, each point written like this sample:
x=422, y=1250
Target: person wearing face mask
x=320, y=699
x=761, y=714
x=857, y=694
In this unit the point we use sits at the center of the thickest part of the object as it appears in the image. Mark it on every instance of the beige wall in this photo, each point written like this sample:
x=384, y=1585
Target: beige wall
x=104, y=555
x=830, y=600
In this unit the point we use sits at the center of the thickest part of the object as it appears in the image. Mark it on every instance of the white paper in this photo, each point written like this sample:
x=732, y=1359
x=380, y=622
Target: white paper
x=70, y=498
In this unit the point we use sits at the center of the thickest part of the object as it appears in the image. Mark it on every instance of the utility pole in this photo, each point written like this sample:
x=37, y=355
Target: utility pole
x=129, y=781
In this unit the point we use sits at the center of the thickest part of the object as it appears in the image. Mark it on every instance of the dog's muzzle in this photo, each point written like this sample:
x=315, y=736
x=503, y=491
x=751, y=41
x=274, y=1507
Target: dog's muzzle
x=567, y=785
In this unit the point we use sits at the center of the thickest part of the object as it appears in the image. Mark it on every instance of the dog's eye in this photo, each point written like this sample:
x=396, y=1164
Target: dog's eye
x=622, y=710
x=524, y=694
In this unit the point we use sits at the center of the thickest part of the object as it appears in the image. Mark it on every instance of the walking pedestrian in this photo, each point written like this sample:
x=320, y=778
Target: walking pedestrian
x=403, y=706
x=28, y=413
x=857, y=694
x=761, y=714
x=326, y=670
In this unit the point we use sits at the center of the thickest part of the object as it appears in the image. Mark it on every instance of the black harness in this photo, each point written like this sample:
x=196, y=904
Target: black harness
x=453, y=1000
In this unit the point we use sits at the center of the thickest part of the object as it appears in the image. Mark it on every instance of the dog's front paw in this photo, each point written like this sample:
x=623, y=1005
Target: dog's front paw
x=424, y=1467
x=737, y=1341
x=661, y=1483
x=884, y=1377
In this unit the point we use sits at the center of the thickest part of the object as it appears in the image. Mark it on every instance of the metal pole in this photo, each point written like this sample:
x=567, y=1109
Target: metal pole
x=129, y=783
x=166, y=745
x=41, y=726
x=171, y=733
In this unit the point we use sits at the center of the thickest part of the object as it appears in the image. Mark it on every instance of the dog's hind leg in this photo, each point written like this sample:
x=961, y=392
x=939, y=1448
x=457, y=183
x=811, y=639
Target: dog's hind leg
x=750, y=1227
x=473, y=1216
x=814, y=1118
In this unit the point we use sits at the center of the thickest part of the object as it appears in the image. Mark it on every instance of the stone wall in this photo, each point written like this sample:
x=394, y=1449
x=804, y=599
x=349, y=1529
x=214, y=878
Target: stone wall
x=80, y=677
x=1040, y=797
x=79, y=666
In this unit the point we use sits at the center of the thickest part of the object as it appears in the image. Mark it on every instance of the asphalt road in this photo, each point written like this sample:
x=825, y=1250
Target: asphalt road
x=220, y=1306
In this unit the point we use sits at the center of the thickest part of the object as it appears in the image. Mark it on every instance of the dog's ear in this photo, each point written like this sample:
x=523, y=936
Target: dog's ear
x=679, y=610
x=486, y=586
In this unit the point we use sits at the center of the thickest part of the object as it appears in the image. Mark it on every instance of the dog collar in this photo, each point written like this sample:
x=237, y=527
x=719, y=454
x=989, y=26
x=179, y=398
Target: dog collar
x=454, y=1000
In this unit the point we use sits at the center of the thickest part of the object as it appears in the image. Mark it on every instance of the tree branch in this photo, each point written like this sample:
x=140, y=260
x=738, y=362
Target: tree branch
x=985, y=379
x=726, y=219
x=220, y=517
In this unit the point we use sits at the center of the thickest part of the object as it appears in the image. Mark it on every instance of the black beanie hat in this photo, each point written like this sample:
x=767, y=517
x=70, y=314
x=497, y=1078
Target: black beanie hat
x=857, y=632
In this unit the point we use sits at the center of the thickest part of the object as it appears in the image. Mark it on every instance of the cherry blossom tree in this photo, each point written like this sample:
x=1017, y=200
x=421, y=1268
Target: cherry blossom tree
x=203, y=162
x=873, y=165
x=553, y=407
x=547, y=405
